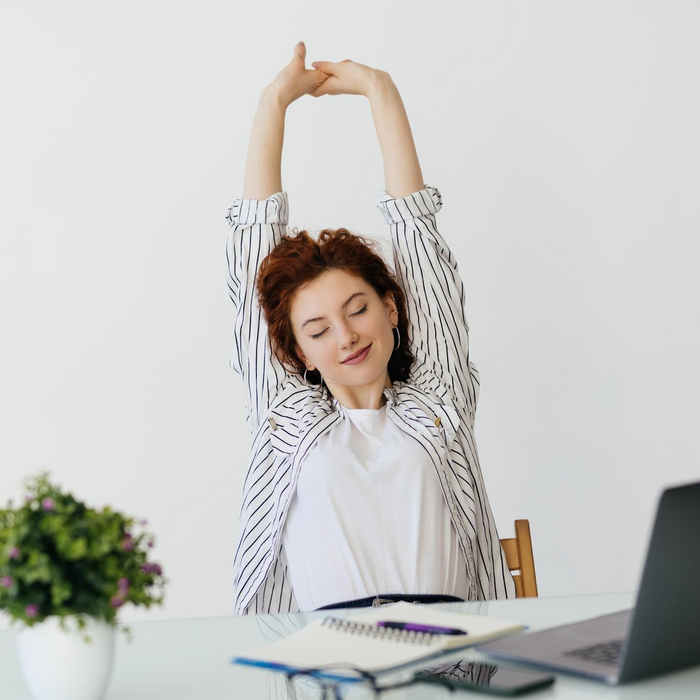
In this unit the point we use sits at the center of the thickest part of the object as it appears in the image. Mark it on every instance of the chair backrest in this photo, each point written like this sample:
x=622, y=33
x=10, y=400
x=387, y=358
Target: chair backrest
x=518, y=551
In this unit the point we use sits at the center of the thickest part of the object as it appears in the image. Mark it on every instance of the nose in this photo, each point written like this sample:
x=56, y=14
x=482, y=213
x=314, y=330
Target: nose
x=347, y=337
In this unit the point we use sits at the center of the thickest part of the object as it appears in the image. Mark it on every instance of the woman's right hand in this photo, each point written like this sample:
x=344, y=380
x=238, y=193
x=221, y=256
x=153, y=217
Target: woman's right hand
x=346, y=78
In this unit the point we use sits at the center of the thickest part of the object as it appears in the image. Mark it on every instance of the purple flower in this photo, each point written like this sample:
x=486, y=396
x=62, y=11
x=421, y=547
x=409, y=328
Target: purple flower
x=150, y=544
x=117, y=602
x=152, y=569
x=48, y=504
x=14, y=553
x=6, y=581
x=123, y=585
x=31, y=610
x=127, y=544
x=144, y=522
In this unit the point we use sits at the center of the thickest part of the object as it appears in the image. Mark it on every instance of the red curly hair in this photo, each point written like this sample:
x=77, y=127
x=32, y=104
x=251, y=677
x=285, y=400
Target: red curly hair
x=299, y=259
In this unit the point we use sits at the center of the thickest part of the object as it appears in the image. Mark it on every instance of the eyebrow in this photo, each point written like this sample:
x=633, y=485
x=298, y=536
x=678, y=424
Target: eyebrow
x=320, y=318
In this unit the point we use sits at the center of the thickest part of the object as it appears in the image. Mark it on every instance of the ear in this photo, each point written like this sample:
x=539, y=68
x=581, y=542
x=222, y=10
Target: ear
x=390, y=303
x=300, y=354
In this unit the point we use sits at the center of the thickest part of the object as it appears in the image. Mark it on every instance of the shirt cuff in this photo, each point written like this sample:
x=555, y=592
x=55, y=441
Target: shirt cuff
x=420, y=203
x=273, y=210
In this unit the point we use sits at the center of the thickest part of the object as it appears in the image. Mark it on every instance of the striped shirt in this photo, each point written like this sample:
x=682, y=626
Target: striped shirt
x=435, y=405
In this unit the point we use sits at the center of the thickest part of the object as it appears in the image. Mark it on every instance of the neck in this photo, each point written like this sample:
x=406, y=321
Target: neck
x=367, y=396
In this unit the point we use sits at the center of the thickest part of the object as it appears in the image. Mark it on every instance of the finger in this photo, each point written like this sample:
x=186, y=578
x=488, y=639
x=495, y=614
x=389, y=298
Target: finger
x=300, y=50
x=322, y=89
x=325, y=66
x=318, y=90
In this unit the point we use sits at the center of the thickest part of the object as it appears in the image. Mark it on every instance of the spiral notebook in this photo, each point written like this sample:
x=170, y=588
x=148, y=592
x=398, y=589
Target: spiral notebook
x=358, y=641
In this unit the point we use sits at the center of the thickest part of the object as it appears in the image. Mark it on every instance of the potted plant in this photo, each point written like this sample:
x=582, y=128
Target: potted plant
x=65, y=572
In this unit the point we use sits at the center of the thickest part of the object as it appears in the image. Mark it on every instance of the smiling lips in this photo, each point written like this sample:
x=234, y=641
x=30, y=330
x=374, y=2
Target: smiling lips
x=358, y=356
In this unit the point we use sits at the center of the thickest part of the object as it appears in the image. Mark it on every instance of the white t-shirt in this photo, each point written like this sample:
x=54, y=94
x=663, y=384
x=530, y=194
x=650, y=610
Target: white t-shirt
x=368, y=517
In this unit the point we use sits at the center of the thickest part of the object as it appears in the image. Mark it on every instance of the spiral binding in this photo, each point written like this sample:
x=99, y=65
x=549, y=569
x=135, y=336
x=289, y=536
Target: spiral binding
x=369, y=629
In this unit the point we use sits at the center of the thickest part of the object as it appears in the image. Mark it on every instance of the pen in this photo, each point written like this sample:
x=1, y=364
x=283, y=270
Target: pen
x=429, y=629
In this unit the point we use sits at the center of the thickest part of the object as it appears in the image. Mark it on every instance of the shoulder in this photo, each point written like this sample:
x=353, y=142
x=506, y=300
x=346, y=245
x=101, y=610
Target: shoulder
x=298, y=406
x=425, y=382
x=431, y=383
x=292, y=392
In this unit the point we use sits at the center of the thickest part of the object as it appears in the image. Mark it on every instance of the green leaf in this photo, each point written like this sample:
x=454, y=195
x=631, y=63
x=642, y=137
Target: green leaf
x=60, y=591
x=38, y=568
x=51, y=524
x=77, y=549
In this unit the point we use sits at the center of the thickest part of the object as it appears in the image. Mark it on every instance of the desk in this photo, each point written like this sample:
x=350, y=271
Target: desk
x=190, y=659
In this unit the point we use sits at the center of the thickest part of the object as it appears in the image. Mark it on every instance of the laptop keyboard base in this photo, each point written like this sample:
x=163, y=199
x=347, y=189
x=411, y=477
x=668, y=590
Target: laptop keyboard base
x=607, y=653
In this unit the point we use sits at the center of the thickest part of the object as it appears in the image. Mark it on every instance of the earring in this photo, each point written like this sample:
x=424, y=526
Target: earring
x=398, y=336
x=308, y=382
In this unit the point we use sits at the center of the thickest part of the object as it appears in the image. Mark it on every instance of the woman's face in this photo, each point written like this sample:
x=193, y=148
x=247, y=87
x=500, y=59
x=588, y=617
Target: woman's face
x=335, y=316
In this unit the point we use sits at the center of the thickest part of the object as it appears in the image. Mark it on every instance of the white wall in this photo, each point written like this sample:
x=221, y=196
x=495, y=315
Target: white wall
x=564, y=140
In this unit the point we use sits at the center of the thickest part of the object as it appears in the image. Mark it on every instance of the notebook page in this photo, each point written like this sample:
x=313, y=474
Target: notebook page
x=318, y=645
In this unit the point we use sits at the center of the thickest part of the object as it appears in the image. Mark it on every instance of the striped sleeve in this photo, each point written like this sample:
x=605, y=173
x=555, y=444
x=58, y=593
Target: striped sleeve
x=427, y=271
x=256, y=227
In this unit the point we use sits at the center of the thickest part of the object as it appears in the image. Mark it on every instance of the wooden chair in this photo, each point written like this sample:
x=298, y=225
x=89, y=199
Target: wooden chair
x=518, y=551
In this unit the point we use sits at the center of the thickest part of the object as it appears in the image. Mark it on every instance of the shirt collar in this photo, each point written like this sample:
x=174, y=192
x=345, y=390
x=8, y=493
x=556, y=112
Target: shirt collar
x=335, y=405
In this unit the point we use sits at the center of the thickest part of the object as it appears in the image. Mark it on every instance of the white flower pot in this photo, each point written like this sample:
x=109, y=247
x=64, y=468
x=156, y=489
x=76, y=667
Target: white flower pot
x=60, y=665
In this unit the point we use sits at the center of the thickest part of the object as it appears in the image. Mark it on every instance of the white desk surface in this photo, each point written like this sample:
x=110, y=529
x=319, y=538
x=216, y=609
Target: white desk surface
x=190, y=658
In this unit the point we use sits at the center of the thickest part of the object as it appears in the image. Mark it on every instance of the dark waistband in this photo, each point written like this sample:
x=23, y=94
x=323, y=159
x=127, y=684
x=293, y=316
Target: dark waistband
x=373, y=601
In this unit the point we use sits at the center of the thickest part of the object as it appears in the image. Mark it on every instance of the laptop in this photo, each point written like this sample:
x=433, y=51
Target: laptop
x=660, y=634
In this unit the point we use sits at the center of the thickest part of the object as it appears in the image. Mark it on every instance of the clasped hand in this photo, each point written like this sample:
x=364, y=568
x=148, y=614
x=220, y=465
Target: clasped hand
x=327, y=78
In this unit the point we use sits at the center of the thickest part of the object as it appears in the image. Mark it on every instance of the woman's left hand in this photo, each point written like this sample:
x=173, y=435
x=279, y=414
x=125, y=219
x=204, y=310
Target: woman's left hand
x=294, y=80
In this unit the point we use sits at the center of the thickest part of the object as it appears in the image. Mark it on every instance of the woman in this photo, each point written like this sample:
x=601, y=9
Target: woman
x=364, y=482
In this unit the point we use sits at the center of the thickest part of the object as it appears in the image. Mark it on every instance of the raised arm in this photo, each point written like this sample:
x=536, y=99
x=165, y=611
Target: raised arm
x=258, y=220
x=402, y=173
x=425, y=266
x=256, y=227
x=263, y=168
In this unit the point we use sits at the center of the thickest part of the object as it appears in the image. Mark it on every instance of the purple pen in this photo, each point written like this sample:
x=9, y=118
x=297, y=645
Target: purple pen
x=428, y=629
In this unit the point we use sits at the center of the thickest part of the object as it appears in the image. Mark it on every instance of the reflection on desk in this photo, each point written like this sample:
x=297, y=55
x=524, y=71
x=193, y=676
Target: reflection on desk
x=186, y=659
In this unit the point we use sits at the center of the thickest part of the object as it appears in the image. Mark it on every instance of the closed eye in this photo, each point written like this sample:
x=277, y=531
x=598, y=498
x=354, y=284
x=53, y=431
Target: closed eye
x=357, y=313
